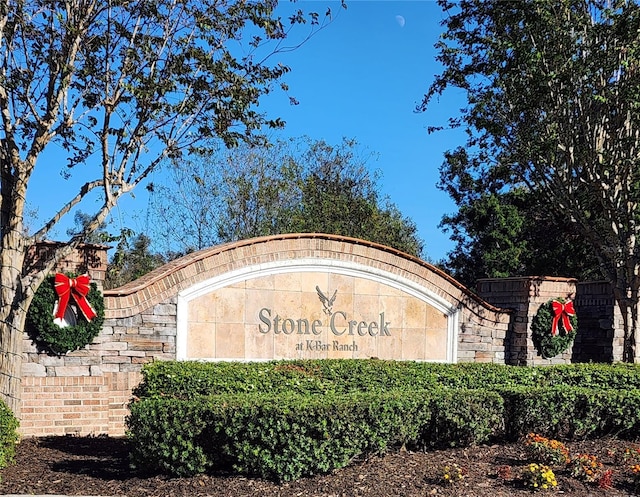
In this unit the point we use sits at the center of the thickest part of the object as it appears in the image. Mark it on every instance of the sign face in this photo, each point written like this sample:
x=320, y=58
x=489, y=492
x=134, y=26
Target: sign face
x=311, y=314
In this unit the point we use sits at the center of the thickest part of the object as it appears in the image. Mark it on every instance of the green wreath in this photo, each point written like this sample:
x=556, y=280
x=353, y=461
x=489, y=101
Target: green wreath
x=56, y=339
x=547, y=344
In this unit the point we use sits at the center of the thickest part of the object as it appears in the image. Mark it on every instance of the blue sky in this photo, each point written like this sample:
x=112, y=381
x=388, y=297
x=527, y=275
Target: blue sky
x=361, y=78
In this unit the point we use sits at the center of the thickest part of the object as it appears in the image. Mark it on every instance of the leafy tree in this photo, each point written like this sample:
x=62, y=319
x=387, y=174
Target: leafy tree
x=553, y=98
x=119, y=87
x=339, y=195
x=512, y=234
x=131, y=260
x=225, y=196
x=99, y=235
x=287, y=187
x=258, y=192
x=132, y=257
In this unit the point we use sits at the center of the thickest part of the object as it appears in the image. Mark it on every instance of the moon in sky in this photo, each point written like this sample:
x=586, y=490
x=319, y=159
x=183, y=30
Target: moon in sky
x=400, y=21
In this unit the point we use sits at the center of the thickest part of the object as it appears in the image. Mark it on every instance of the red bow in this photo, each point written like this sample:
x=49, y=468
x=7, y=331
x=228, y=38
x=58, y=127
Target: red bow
x=79, y=288
x=562, y=311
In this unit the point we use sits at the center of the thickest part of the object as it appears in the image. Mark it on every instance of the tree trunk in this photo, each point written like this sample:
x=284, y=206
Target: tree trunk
x=14, y=299
x=13, y=312
x=627, y=301
x=11, y=334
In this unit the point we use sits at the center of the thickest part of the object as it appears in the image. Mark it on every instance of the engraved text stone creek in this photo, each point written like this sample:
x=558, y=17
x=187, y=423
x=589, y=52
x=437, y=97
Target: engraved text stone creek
x=339, y=324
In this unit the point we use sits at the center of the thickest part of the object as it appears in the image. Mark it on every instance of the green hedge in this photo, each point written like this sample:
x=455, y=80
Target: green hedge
x=8, y=435
x=185, y=379
x=284, y=437
x=287, y=419
x=571, y=412
x=464, y=417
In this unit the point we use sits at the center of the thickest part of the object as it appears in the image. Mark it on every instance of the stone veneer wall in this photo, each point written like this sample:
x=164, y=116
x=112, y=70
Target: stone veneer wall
x=86, y=391
x=600, y=328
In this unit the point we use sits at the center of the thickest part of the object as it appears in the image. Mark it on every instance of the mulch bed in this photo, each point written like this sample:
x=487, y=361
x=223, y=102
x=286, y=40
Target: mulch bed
x=99, y=466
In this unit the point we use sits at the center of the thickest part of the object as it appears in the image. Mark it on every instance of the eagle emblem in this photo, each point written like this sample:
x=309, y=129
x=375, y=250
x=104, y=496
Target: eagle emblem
x=326, y=302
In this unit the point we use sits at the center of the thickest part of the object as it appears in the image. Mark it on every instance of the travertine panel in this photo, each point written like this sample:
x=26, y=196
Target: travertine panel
x=394, y=309
x=435, y=319
x=314, y=314
x=258, y=346
x=436, y=345
x=230, y=304
x=415, y=313
x=287, y=281
x=257, y=299
x=345, y=283
x=203, y=309
x=202, y=340
x=390, y=347
x=264, y=283
x=414, y=344
x=285, y=347
x=366, y=287
x=365, y=304
x=230, y=340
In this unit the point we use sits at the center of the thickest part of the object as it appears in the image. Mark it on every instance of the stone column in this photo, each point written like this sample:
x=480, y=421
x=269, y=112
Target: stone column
x=524, y=295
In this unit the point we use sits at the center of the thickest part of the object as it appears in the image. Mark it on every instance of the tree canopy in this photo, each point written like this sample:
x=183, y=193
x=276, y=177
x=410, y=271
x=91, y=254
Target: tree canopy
x=294, y=186
x=553, y=95
x=132, y=259
x=511, y=233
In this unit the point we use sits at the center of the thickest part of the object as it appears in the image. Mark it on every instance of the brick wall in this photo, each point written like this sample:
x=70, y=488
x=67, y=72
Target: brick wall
x=86, y=391
x=600, y=329
x=87, y=258
x=76, y=405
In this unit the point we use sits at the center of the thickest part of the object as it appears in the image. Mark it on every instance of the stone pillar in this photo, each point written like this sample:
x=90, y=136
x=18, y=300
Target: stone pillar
x=524, y=295
x=87, y=258
x=601, y=336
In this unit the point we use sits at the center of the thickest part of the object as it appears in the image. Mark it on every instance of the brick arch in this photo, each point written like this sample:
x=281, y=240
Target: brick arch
x=198, y=267
x=472, y=330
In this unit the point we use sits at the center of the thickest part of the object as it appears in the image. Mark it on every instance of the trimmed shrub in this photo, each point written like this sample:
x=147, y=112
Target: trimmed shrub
x=282, y=420
x=167, y=436
x=571, y=412
x=275, y=437
x=185, y=379
x=8, y=435
x=283, y=437
x=300, y=436
x=464, y=417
